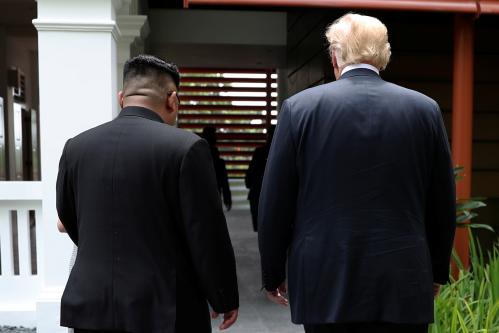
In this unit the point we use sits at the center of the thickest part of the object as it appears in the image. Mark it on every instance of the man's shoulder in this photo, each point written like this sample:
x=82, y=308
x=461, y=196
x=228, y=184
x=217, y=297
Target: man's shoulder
x=157, y=133
x=260, y=152
x=411, y=95
x=313, y=92
x=172, y=138
x=341, y=91
x=91, y=132
x=260, y=149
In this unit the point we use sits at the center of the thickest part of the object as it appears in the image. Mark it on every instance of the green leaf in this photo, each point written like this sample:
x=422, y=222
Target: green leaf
x=458, y=169
x=469, y=205
x=480, y=226
x=465, y=217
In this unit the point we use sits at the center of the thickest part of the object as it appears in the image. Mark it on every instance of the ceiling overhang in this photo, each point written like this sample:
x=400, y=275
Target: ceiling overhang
x=476, y=7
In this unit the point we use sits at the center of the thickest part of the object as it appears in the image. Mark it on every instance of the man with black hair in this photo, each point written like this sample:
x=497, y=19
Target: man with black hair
x=153, y=249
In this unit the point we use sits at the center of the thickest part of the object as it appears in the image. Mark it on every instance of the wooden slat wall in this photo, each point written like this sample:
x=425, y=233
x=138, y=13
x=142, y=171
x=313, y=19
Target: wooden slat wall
x=220, y=98
x=422, y=56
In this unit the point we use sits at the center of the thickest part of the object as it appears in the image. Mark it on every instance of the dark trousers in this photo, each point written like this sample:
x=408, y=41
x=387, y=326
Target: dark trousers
x=254, y=213
x=193, y=323
x=193, y=314
x=367, y=328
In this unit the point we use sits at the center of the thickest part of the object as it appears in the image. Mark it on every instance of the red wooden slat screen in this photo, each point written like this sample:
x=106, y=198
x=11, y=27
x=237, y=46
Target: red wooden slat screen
x=240, y=103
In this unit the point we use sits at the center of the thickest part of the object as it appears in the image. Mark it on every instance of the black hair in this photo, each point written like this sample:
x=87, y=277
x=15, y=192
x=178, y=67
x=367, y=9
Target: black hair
x=210, y=135
x=144, y=65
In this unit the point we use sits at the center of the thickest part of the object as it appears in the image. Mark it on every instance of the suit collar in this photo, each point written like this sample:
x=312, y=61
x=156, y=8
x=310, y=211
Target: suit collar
x=359, y=72
x=138, y=111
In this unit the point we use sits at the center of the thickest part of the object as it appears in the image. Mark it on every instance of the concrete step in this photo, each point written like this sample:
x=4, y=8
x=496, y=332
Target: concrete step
x=239, y=194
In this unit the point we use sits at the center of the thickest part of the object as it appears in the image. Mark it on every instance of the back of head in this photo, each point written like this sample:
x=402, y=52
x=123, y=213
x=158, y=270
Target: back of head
x=150, y=78
x=355, y=39
x=210, y=135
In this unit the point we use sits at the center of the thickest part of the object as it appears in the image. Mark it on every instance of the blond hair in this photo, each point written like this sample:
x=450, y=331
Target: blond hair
x=355, y=39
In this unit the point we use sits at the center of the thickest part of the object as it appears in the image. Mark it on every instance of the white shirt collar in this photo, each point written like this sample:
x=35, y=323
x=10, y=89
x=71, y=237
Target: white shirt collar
x=356, y=66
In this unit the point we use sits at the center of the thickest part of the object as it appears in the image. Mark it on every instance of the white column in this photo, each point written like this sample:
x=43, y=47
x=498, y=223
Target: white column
x=134, y=29
x=78, y=86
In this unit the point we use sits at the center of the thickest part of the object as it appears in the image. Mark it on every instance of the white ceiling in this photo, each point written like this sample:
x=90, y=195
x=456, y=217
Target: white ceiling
x=219, y=38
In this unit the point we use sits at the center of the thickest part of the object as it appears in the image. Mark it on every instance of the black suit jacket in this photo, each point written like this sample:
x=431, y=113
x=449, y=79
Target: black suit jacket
x=254, y=176
x=222, y=175
x=140, y=200
x=359, y=188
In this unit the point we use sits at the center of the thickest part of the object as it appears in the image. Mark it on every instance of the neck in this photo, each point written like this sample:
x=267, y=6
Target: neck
x=141, y=101
x=359, y=65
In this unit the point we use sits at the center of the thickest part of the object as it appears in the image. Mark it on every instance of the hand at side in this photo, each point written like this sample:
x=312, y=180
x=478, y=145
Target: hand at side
x=278, y=296
x=229, y=318
x=436, y=289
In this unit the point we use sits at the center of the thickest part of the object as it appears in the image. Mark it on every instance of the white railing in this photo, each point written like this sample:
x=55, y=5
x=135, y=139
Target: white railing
x=20, y=212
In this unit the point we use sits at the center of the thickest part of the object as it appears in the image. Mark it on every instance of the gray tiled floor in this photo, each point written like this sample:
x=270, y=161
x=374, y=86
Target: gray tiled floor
x=256, y=314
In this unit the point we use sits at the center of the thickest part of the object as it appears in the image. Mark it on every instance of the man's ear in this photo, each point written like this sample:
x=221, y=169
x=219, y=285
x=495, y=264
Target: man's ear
x=172, y=103
x=335, y=61
x=121, y=97
x=336, y=67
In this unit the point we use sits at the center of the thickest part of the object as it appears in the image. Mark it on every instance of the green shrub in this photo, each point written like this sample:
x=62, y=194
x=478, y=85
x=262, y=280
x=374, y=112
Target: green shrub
x=464, y=208
x=470, y=304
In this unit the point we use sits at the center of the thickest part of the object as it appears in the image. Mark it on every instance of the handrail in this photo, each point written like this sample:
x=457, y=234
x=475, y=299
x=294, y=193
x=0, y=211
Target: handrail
x=24, y=190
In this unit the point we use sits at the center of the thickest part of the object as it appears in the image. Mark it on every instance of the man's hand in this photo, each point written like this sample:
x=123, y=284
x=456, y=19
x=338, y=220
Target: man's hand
x=278, y=296
x=436, y=289
x=229, y=318
x=60, y=226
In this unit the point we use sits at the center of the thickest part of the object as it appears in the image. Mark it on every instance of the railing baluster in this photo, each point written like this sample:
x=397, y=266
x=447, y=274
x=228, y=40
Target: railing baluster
x=38, y=259
x=23, y=241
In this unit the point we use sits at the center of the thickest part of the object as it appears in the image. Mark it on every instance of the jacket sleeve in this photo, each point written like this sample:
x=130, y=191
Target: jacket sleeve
x=65, y=199
x=250, y=173
x=226, y=194
x=441, y=204
x=205, y=229
x=277, y=205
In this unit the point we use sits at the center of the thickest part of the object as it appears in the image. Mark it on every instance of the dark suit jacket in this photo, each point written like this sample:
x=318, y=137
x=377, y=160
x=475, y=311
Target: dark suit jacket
x=140, y=200
x=359, y=188
x=222, y=175
x=256, y=169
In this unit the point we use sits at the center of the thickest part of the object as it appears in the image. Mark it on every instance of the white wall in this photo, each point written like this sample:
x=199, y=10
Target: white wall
x=71, y=10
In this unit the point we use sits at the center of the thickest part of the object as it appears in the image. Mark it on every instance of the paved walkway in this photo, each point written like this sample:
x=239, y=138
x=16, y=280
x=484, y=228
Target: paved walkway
x=256, y=313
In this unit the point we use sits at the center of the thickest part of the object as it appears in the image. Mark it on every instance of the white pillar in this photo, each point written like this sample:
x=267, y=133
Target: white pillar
x=134, y=29
x=78, y=86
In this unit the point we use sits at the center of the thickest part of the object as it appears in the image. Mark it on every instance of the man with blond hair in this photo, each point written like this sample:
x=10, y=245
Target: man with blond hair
x=358, y=196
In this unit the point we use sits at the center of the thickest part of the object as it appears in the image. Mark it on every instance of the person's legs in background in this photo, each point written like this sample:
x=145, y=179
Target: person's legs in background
x=254, y=214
